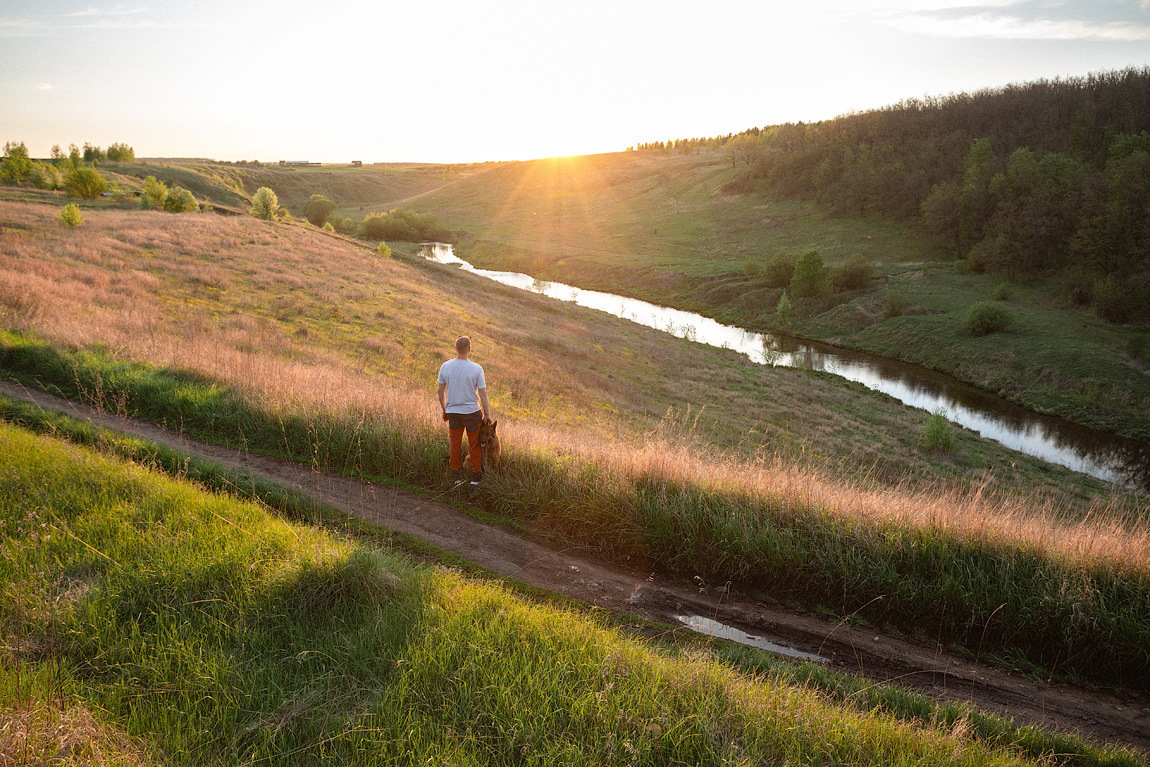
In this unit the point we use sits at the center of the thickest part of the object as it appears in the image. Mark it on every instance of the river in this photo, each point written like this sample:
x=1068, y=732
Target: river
x=1092, y=451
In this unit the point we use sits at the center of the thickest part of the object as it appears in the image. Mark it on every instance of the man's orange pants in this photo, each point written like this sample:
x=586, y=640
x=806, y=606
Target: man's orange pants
x=456, y=442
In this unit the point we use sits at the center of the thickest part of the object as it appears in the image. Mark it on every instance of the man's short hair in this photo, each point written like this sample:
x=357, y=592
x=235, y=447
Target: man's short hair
x=462, y=344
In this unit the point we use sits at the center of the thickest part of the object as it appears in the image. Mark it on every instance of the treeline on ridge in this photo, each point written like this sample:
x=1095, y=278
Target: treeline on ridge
x=1041, y=179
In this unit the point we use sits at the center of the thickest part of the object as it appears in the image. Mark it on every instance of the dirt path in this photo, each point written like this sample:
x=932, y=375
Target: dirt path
x=1120, y=718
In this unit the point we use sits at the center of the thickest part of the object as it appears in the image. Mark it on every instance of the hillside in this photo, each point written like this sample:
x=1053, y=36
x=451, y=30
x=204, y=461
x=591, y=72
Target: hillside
x=354, y=189
x=661, y=227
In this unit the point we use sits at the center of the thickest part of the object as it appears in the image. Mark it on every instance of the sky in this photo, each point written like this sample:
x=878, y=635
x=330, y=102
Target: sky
x=477, y=80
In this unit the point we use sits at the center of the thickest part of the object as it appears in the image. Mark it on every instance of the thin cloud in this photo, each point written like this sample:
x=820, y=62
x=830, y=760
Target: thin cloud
x=117, y=10
x=43, y=86
x=1002, y=27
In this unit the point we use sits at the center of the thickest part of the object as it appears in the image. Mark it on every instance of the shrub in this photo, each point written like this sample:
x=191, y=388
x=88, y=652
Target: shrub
x=783, y=308
x=180, y=201
x=46, y=176
x=70, y=216
x=1004, y=292
x=936, y=432
x=327, y=227
x=121, y=153
x=403, y=225
x=751, y=268
x=1113, y=299
x=317, y=209
x=265, y=204
x=852, y=274
x=779, y=270
x=895, y=304
x=1078, y=285
x=85, y=183
x=383, y=250
x=154, y=194
x=810, y=277
x=986, y=317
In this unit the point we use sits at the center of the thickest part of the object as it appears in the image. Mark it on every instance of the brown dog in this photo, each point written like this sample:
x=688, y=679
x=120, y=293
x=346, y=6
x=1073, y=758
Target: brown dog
x=489, y=446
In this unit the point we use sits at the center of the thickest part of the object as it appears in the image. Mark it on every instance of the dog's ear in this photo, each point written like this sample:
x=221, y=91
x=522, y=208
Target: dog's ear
x=494, y=424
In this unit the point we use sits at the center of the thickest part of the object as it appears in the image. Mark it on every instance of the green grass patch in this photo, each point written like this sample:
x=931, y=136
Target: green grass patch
x=994, y=594
x=193, y=628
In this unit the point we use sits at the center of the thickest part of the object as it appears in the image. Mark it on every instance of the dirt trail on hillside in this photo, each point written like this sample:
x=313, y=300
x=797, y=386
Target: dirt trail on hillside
x=1119, y=718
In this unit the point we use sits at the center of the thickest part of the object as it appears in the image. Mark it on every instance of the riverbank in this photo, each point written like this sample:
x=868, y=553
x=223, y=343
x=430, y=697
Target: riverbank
x=657, y=228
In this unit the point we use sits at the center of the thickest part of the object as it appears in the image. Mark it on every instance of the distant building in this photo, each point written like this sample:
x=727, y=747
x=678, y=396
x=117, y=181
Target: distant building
x=357, y=163
x=303, y=163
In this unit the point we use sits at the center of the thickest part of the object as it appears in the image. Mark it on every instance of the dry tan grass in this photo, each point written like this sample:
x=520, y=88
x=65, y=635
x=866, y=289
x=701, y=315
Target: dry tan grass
x=165, y=309
x=39, y=733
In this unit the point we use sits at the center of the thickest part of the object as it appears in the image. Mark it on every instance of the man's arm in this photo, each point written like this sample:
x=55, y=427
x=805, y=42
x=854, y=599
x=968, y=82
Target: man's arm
x=486, y=404
x=443, y=399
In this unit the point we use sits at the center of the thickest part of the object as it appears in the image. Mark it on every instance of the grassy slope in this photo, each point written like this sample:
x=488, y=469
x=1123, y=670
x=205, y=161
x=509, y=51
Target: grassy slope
x=353, y=189
x=145, y=619
x=654, y=227
x=276, y=326
x=296, y=292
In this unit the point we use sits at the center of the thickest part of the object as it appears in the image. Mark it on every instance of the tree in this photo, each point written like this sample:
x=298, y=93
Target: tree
x=58, y=154
x=74, y=155
x=744, y=148
x=153, y=195
x=93, y=154
x=85, y=183
x=317, y=209
x=180, y=201
x=810, y=278
x=16, y=163
x=121, y=153
x=265, y=204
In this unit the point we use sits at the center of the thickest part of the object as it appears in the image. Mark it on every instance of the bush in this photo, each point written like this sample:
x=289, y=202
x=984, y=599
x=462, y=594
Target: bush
x=1078, y=285
x=986, y=317
x=779, y=270
x=1004, y=292
x=751, y=268
x=853, y=274
x=70, y=216
x=265, y=204
x=154, y=194
x=895, y=304
x=383, y=250
x=327, y=227
x=121, y=153
x=46, y=176
x=317, y=209
x=783, y=308
x=180, y=201
x=85, y=183
x=403, y=225
x=1113, y=299
x=810, y=277
x=936, y=432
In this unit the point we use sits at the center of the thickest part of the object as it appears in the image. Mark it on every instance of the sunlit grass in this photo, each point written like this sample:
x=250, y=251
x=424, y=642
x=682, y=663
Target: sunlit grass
x=161, y=316
x=147, y=621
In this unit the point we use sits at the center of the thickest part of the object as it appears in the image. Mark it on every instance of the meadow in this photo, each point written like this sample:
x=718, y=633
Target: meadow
x=660, y=227
x=147, y=620
x=281, y=339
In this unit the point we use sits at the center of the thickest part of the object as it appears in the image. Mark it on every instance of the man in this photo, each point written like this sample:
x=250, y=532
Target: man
x=461, y=390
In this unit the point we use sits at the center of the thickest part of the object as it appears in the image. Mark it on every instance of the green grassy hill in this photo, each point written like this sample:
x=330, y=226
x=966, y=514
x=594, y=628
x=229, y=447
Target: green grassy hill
x=353, y=189
x=661, y=228
x=147, y=621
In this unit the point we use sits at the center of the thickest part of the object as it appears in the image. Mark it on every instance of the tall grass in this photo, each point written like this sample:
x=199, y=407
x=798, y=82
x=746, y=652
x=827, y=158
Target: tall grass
x=997, y=578
x=167, y=624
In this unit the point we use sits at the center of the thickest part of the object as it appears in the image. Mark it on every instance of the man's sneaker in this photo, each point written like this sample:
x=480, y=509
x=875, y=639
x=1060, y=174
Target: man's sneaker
x=457, y=477
x=476, y=477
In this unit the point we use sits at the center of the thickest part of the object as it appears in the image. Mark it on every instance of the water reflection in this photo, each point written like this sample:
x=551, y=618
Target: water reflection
x=1091, y=451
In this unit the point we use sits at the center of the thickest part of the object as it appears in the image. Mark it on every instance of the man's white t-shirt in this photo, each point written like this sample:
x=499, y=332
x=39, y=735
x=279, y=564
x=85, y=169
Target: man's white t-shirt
x=463, y=378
